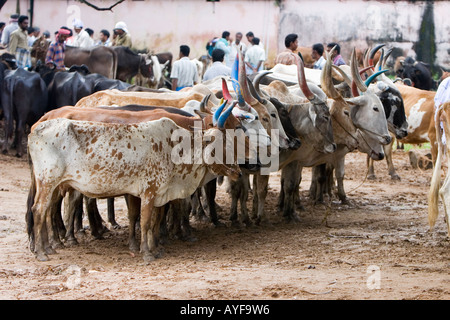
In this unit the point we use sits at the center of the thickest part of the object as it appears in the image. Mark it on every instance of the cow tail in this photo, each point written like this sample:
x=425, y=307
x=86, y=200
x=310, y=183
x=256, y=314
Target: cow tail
x=30, y=202
x=433, y=194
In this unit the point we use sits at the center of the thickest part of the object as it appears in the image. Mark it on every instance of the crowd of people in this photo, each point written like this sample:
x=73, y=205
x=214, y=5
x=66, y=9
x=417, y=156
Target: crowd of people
x=18, y=38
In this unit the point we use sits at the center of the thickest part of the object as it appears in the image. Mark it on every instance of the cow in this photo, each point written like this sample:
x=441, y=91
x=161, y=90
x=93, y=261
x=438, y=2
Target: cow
x=353, y=130
x=417, y=71
x=24, y=100
x=419, y=111
x=436, y=190
x=130, y=64
x=104, y=160
x=102, y=60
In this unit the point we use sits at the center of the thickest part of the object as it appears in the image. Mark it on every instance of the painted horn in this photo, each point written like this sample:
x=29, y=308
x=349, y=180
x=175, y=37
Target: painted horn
x=373, y=77
x=355, y=73
x=224, y=116
x=236, y=84
x=243, y=81
x=226, y=94
x=302, y=81
x=218, y=112
x=257, y=80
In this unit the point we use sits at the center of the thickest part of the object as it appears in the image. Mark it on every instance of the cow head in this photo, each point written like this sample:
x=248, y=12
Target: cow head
x=146, y=66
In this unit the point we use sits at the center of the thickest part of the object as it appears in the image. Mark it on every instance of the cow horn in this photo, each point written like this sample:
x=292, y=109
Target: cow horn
x=224, y=116
x=326, y=80
x=355, y=74
x=226, y=94
x=204, y=103
x=373, y=52
x=386, y=56
x=236, y=84
x=243, y=80
x=258, y=79
x=254, y=93
x=372, y=77
x=302, y=81
x=218, y=112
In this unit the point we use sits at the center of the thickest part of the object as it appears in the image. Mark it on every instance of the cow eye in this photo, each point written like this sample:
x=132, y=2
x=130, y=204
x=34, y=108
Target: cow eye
x=376, y=109
x=273, y=115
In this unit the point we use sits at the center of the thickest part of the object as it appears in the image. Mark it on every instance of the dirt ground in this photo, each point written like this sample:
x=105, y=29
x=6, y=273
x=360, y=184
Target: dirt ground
x=377, y=247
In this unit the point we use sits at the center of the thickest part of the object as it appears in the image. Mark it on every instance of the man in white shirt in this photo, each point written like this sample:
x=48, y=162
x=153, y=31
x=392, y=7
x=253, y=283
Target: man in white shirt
x=81, y=37
x=184, y=72
x=234, y=49
x=223, y=44
x=11, y=27
x=442, y=96
x=254, y=57
x=217, y=68
x=317, y=54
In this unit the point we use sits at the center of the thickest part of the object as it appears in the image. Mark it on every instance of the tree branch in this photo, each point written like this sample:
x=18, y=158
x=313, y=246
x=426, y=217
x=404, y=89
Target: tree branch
x=101, y=9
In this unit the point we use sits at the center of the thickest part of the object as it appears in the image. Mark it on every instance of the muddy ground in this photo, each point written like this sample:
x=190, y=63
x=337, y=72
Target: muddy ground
x=377, y=247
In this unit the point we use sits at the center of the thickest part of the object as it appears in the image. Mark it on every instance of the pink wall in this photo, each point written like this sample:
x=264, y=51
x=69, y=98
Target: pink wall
x=163, y=25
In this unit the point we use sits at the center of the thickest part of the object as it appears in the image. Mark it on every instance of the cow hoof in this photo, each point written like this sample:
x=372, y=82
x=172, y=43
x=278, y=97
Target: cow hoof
x=395, y=177
x=50, y=250
x=371, y=177
x=148, y=258
x=72, y=242
x=116, y=226
x=5, y=151
x=42, y=257
x=134, y=247
x=57, y=245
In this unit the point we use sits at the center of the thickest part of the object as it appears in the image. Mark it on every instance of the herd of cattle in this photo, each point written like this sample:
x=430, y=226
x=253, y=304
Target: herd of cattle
x=93, y=135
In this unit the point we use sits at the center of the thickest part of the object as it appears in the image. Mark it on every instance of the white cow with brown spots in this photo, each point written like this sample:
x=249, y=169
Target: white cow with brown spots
x=107, y=160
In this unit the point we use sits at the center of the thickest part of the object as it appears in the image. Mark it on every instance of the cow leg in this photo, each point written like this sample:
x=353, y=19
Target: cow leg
x=262, y=182
x=155, y=248
x=95, y=220
x=370, y=169
x=8, y=122
x=210, y=190
x=390, y=162
x=291, y=184
x=146, y=227
x=134, y=205
x=235, y=190
x=20, y=129
x=72, y=202
x=55, y=224
x=340, y=173
x=243, y=197
x=318, y=183
x=111, y=214
x=197, y=209
x=44, y=198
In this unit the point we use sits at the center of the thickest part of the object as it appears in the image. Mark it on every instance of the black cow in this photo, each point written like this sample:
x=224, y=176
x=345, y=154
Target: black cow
x=417, y=71
x=129, y=64
x=24, y=100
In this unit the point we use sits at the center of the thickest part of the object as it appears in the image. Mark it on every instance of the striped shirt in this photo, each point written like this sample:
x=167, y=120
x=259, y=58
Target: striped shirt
x=55, y=54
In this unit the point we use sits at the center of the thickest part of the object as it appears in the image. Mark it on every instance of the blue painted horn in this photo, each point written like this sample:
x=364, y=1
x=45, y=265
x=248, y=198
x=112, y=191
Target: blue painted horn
x=372, y=77
x=218, y=112
x=224, y=116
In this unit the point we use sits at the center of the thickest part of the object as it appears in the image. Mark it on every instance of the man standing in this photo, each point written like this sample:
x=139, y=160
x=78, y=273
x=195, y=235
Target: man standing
x=82, y=38
x=12, y=26
x=217, y=68
x=55, y=52
x=121, y=36
x=336, y=57
x=234, y=49
x=184, y=72
x=104, y=38
x=317, y=55
x=255, y=57
x=224, y=44
x=18, y=44
x=287, y=56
